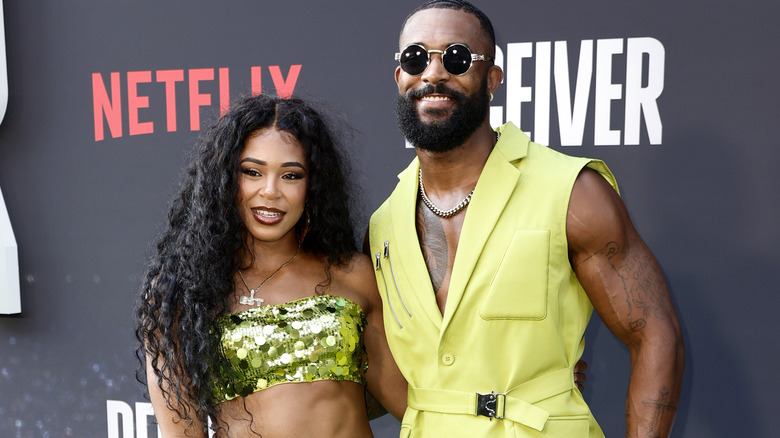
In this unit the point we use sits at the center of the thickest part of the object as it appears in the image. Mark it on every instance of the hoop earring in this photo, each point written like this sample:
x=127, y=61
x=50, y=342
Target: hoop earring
x=491, y=96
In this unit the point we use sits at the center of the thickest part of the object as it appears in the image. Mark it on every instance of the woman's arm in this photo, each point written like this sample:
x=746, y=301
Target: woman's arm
x=170, y=421
x=385, y=382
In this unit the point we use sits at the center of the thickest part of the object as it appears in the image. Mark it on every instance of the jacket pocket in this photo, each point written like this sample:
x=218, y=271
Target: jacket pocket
x=518, y=289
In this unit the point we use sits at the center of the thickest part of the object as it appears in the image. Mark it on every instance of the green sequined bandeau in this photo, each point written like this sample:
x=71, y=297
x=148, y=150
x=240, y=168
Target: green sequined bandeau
x=313, y=338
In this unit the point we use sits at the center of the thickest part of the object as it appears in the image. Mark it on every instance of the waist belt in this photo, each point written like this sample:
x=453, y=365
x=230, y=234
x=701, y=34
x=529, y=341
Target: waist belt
x=515, y=405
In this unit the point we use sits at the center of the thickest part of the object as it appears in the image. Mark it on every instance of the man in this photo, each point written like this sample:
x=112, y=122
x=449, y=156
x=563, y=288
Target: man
x=492, y=252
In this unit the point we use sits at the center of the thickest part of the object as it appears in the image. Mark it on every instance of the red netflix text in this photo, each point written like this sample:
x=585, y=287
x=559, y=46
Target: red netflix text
x=108, y=92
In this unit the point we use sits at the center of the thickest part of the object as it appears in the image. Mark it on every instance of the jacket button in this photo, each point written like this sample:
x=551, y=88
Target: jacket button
x=448, y=359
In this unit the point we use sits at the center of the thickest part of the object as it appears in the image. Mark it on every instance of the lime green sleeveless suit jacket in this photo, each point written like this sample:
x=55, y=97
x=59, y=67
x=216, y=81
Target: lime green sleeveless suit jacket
x=515, y=314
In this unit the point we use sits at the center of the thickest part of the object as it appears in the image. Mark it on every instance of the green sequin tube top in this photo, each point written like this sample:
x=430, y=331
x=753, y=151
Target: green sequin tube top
x=310, y=339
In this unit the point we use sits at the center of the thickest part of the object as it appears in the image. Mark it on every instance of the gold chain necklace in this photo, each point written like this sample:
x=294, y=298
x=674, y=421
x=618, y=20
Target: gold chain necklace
x=251, y=300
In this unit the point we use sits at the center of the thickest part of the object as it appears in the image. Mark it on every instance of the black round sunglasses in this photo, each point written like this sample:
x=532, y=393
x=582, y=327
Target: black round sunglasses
x=456, y=58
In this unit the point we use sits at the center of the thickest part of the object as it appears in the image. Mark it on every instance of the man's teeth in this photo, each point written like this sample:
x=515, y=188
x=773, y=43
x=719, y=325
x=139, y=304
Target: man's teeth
x=435, y=98
x=267, y=213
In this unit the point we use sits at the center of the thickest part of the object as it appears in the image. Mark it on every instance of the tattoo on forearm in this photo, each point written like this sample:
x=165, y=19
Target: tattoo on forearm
x=661, y=406
x=433, y=243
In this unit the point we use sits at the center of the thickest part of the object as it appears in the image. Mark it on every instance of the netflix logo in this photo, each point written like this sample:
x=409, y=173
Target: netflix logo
x=128, y=96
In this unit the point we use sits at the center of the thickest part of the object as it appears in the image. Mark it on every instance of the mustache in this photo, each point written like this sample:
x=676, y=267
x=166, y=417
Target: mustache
x=440, y=88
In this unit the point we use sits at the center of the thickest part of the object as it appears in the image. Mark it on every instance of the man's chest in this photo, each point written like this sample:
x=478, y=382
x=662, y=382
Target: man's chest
x=439, y=238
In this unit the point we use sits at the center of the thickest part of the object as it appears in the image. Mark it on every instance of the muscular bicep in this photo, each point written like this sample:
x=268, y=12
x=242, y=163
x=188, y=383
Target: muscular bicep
x=614, y=265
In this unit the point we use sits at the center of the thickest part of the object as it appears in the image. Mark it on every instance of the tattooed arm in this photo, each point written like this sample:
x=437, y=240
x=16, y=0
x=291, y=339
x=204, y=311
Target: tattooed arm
x=627, y=289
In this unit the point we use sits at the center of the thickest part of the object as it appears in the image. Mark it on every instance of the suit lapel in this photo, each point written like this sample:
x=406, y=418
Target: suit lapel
x=416, y=282
x=494, y=188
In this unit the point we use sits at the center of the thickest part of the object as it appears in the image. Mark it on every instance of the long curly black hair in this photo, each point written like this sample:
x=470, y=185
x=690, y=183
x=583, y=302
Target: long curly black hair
x=190, y=277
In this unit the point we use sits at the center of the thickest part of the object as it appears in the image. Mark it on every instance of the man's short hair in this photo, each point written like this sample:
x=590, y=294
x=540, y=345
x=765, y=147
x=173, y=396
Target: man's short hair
x=459, y=5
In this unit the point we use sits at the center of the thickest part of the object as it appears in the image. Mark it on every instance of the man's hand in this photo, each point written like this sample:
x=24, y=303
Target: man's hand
x=579, y=374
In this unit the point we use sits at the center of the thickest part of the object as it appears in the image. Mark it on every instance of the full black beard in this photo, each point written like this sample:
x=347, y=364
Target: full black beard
x=448, y=134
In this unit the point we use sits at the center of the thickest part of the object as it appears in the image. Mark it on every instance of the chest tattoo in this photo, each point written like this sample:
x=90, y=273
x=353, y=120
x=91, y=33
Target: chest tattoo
x=433, y=243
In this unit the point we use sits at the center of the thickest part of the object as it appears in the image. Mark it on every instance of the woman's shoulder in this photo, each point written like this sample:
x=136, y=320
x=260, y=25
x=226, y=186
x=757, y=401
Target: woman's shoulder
x=355, y=279
x=356, y=269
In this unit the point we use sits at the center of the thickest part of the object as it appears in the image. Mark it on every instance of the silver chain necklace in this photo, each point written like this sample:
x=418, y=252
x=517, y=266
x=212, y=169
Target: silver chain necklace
x=454, y=210
x=438, y=211
x=251, y=300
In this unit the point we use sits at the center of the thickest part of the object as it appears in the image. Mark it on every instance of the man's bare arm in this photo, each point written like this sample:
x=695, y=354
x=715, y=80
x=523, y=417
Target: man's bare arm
x=627, y=289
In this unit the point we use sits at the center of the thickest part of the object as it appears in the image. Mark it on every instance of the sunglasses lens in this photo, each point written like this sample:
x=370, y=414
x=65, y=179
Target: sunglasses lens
x=414, y=60
x=457, y=59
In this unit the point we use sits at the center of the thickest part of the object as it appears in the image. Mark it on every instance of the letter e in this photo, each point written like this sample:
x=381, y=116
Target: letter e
x=606, y=91
x=135, y=102
x=516, y=94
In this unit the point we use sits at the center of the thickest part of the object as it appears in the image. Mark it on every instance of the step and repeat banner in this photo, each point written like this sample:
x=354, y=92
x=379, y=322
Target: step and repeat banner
x=105, y=99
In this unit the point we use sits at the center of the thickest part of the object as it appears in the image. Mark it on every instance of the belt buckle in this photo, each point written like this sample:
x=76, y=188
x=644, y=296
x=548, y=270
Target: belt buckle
x=487, y=405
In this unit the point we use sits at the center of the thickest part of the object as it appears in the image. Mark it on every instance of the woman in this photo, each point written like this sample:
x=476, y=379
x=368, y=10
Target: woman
x=257, y=312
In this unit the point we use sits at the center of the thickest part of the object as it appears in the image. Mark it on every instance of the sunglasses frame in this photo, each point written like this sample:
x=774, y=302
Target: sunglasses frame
x=474, y=57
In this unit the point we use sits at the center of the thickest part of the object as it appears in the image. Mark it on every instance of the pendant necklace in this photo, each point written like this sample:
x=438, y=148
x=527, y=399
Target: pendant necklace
x=251, y=300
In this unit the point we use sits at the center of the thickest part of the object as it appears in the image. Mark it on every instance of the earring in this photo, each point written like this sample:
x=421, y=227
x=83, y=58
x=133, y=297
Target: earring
x=491, y=96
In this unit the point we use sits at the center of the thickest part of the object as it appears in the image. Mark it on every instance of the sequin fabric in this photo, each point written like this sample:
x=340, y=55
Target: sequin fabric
x=314, y=338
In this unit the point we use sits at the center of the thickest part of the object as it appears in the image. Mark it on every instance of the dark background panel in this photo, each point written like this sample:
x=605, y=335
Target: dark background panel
x=83, y=211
